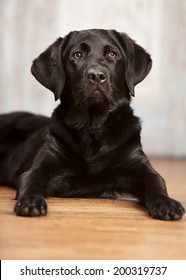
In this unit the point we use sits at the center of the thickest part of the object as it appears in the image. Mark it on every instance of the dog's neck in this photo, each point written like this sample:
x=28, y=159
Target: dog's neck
x=89, y=133
x=94, y=117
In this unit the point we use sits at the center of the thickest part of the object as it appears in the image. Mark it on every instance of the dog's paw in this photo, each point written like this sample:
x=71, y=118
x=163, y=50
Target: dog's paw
x=165, y=208
x=31, y=205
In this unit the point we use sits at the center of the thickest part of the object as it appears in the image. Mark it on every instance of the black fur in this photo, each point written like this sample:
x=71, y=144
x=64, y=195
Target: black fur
x=91, y=144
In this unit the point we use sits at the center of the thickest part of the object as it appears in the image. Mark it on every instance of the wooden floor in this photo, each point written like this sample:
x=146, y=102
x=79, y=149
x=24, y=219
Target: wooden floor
x=96, y=228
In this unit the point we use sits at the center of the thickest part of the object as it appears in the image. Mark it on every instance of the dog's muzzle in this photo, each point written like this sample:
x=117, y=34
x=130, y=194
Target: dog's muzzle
x=96, y=89
x=97, y=80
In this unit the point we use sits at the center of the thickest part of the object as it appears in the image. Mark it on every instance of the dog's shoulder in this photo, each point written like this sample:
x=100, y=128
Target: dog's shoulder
x=123, y=123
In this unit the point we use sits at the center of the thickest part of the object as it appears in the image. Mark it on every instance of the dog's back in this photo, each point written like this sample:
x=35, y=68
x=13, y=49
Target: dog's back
x=15, y=130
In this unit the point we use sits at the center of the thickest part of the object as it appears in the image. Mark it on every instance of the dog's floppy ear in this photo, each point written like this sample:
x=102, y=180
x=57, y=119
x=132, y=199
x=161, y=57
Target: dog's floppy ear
x=48, y=70
x=138, y=63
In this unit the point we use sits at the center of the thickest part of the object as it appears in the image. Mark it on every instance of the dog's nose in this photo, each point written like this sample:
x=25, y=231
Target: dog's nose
x=97, y=76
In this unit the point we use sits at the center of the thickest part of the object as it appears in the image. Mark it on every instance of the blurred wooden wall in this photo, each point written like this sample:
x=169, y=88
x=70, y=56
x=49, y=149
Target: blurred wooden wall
x=28, y=27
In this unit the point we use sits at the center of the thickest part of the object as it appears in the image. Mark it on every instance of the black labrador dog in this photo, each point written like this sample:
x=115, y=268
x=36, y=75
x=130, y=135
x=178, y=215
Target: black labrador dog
x=91, y=144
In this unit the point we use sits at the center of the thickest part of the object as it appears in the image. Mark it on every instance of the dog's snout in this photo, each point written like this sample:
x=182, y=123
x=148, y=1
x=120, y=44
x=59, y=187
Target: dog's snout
x=97, y=76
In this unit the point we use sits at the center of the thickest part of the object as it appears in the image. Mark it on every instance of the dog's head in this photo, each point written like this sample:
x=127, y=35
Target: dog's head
x=92, y=67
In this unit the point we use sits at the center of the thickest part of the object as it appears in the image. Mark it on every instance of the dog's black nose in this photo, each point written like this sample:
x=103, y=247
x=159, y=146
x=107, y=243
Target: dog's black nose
x=97, y=76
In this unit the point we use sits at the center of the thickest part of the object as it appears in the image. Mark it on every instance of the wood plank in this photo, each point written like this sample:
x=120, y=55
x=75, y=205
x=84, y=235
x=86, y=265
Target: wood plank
x=96, y=228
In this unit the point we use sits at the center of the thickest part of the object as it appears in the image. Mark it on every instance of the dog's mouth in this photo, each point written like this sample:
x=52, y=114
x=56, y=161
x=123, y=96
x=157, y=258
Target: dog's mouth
x=96, y=96
x=99, y=94
x=99, y=98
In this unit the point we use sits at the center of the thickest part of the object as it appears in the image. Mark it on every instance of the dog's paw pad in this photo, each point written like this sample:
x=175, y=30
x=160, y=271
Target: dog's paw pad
x=166, y=208
x=31, y=205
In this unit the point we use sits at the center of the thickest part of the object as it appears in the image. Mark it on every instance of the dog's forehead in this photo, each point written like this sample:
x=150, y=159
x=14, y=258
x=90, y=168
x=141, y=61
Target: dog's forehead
x=92, y=37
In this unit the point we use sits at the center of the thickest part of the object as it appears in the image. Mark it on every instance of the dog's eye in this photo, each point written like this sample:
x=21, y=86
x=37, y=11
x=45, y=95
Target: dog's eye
x=77, y=55
x=112, y=54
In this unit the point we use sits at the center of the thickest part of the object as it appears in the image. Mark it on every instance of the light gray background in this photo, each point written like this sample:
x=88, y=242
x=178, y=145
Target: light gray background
x=27, y=27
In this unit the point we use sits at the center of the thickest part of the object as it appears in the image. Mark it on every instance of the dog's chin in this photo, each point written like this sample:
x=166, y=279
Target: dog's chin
x=97, y=99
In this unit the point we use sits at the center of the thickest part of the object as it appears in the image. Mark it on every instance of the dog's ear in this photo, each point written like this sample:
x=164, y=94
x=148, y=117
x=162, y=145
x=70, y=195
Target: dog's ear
x=138, y=62
x=47, y=68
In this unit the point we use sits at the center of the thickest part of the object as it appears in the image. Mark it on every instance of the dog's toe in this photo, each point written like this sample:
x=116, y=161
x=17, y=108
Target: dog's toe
x=31, y=205
x=165, y=208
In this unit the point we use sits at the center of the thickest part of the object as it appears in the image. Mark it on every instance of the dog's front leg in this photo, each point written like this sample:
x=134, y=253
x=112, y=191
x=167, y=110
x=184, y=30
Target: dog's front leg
x=159, y=204
x=30, y=194
x=32, y=184
x=151, y=189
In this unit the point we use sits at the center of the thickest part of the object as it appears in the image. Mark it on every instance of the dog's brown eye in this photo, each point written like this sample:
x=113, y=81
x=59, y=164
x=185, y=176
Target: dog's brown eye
x=77, y=55
x=112, y=54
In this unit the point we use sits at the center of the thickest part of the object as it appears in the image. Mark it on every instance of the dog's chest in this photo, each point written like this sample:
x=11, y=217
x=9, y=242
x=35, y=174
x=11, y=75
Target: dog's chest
x=98, y=149
x=97, y=144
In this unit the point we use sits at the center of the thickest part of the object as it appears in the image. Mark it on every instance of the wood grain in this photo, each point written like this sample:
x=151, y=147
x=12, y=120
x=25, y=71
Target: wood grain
x=96, y=228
